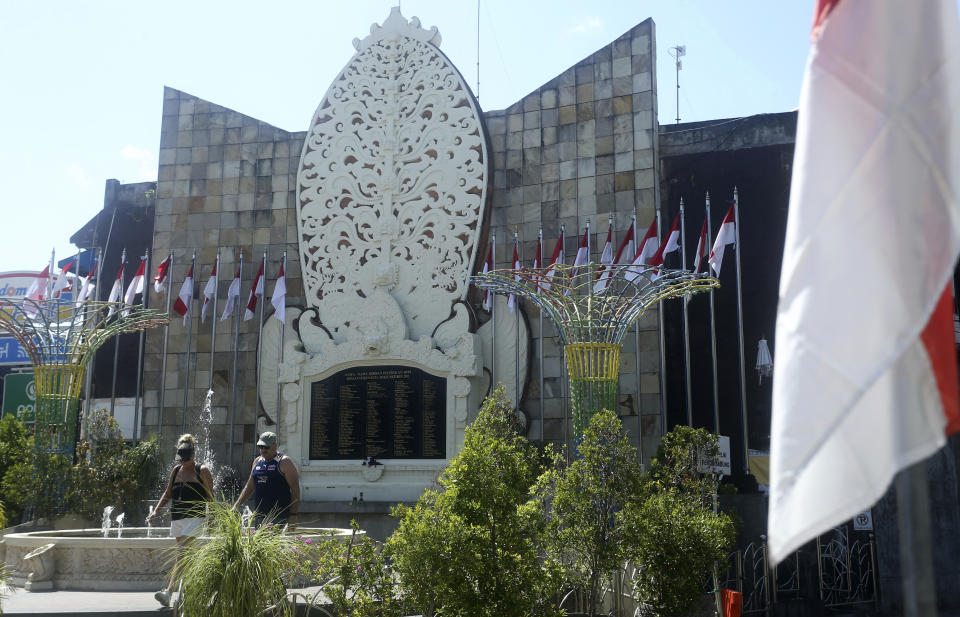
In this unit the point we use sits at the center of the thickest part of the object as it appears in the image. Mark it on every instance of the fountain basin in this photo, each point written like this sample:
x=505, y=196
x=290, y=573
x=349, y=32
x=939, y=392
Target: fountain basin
x=85, y=560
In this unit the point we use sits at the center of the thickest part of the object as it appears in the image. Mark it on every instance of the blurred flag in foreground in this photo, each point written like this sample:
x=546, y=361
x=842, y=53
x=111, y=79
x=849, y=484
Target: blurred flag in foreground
x=866, y=380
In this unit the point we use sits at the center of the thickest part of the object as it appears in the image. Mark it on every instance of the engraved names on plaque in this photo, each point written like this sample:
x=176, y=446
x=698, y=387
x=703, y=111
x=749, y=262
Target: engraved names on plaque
x=379, y=411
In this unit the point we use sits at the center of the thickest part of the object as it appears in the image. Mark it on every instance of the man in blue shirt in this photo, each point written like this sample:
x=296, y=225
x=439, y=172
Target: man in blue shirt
x=274, y=483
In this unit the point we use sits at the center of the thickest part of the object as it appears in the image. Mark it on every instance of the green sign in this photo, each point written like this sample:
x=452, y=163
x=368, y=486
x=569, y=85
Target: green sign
x=20, y=396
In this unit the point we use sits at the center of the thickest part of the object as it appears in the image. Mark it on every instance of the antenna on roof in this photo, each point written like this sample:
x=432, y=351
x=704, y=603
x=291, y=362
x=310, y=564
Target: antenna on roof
x=676, y=53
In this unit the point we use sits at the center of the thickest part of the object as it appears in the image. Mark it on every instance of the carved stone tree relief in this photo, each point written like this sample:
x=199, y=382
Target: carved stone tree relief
x=392, y=183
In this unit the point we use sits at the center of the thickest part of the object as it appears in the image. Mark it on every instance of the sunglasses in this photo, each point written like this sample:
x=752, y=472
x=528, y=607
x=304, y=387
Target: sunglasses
x=264, y=447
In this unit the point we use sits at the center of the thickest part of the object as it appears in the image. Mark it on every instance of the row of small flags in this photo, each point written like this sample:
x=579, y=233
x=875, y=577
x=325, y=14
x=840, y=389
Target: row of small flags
x=648, y=253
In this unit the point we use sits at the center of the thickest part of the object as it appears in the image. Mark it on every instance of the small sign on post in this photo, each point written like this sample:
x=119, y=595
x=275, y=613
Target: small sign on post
x=20, y=396
x=719, y=464
x=863, y=521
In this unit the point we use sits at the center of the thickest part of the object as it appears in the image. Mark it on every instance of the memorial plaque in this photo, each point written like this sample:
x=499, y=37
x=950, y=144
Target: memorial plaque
x=379, y=411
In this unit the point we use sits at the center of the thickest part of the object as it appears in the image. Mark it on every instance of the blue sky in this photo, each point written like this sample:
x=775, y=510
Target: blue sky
x=83, y=82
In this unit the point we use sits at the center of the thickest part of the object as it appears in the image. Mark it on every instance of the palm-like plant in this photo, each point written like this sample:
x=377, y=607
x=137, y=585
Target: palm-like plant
x=239, y=570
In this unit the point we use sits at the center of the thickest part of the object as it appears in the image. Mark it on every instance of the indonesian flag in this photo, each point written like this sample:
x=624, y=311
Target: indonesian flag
x=606, y=259
x=487, y=267
x=556, y=258
x=647, y=249
x=232, y=295
x=279, y=297
x=866, y=380
x=701, y=247
x=185, y=298
x=87, y=287
x=583, y=251
x=538, y=258
x=136, y=283
x=255, y=291
x=512, y=299
x=160, y=280
x=626, y=249
x=39, y=285
x=726, y=235
x=117, y=289
x=62, y=280
x=209, y=291
x=669, y=245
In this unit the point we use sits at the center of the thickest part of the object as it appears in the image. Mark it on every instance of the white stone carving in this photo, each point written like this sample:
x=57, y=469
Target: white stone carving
x=392, y=184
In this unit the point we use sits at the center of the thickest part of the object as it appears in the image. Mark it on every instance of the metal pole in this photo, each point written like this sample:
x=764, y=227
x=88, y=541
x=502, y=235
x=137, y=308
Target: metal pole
x=565, y=375
x=636, y=345
x=163, y=358
x=236, y=346
x=186, y=371
x=213, y=326
x=540, y=319
x=263, y=283
x=283, y=331
x=916, y=546
x=144, y=299
x=686, y=321
x=116, y=341
x=516, y=347
x=713, y=331
x=88, y=385
x=743, y=381
x=663, y=353
x=493, y=318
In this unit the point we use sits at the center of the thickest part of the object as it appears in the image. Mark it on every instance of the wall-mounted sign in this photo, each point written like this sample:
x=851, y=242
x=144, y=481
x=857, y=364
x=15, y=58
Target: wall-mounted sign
x=11, y=352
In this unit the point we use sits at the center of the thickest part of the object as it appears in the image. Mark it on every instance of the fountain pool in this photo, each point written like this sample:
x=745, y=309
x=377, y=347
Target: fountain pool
x=84, y=560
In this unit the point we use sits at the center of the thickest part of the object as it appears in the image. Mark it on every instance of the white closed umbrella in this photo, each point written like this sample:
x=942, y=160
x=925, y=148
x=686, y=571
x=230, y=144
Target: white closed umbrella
x=764, y=360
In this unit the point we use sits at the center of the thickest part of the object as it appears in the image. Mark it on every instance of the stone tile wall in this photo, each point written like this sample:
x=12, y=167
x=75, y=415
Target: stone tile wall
x=580, y=148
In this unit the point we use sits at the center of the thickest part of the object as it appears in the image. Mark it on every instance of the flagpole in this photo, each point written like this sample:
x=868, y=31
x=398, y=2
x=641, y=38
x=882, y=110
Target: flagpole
x=116, y=341
x=48, y=293
x=493, y=318
x=263, y=281
x=144, y=299
x=708, y=242
x=283, y=328
x=686, y=321
x=663, y=353
x=636, y=346
x=743, y=382
x=213, y=326
x=564, y=376
x=236, y=347
x=163, y=358
x=540, y=317
x=186, y=372
x=88, y=385
x=516, y=314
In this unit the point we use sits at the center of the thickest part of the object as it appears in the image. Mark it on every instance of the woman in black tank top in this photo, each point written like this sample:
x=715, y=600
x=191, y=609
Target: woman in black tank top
x=189, y=489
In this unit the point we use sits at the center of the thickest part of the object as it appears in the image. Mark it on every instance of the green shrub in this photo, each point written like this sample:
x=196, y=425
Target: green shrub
x=589, y=499
x=239, y=571
x=16, y=448
x=470, y=548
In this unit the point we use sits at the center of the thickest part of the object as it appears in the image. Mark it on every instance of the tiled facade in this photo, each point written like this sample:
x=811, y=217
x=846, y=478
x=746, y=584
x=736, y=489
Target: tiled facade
x=581, y=147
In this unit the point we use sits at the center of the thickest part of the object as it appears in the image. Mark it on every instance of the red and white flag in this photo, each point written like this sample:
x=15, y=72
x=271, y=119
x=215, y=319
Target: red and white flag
x=63, y=280
x=86, y=288
x=583, y=251
x=701, y=247
x=487, y=267
x=606, y=259
x=39, y=286
x=232, y=295
x=556, y=258
x=866, y=380
x=209, y=291
x=669, y=245
x=117, y=290
x=626, y=249
x=645, y=252
x=538, y=258
x=137, y=283
x=512, y=298
x=160, y=280
x=726, y=235
x=255, y=292
x=185, y=298
x=279, y=297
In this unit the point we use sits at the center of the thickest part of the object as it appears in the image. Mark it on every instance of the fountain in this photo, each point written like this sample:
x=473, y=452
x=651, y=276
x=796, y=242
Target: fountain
x=120, y=524
x=105, y=521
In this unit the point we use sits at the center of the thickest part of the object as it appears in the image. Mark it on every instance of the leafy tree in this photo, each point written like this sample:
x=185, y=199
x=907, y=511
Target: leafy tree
x=16, y=448
x=589, y=499
x=675, y=535
x=470, y=547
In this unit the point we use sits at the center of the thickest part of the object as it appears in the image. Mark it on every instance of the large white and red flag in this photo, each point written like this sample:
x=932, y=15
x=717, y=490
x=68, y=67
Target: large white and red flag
x=645, y=252
x=279, y=297
x=606, y=259
x=670, y=244
x=512, y=298
x=866, y=380
x=63, y=280
x=86, y=288
x=626, y=249
x=163, y=270
x=233, y=293
x=726, y=235
x=39, y=285
x=487, y=267
x=583, y=251
x=701, y=247
x=256, y=290
x=556, y=258
x=185, y=298
x=137, y=283
x=116, y=292
x=209, y=291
